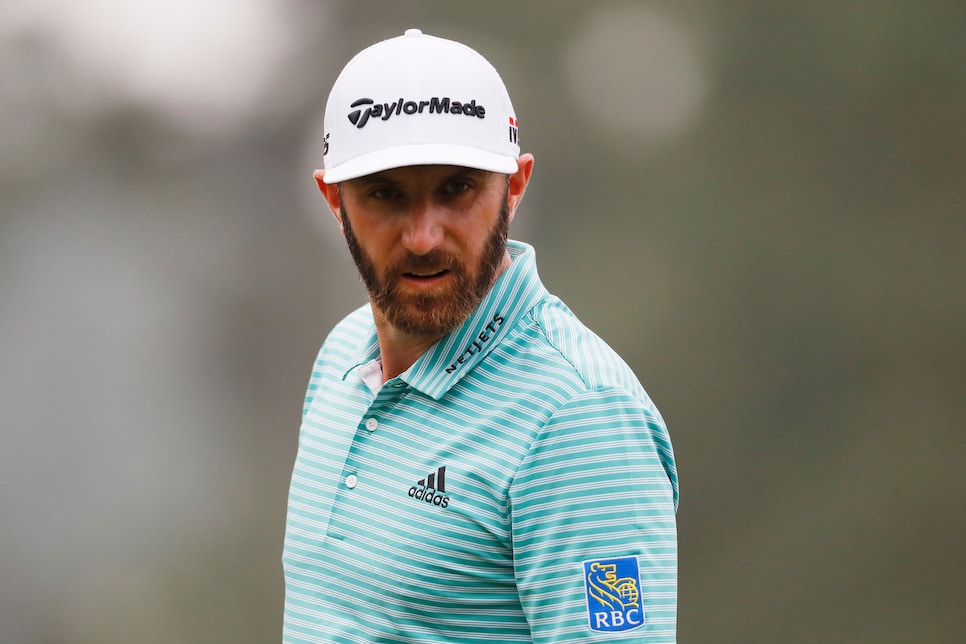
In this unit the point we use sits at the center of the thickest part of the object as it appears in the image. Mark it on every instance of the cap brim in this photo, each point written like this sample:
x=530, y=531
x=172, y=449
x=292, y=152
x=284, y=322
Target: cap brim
x=420, y=154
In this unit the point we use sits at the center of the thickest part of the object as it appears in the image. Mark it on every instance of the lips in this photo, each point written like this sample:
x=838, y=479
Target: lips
x=425, y=274
x=430, y=271
x=425, y=278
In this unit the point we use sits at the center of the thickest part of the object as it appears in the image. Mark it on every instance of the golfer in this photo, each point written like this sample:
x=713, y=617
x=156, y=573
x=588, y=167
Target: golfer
x=474, y=464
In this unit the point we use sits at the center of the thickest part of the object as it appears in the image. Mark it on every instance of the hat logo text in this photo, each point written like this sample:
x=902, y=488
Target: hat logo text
x=368, y=108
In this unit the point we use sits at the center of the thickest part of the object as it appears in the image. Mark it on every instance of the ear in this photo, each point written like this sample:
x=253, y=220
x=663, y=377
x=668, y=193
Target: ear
x=519, y=181
x=331, y=193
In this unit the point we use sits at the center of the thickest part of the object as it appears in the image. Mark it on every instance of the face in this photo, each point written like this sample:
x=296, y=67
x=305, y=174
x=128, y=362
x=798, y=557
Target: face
x=428, y=241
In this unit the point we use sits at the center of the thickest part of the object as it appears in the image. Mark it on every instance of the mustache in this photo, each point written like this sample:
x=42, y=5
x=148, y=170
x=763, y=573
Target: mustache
x=434, y=259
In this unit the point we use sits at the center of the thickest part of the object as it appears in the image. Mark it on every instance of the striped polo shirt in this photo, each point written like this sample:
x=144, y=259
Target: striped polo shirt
x=516, y=484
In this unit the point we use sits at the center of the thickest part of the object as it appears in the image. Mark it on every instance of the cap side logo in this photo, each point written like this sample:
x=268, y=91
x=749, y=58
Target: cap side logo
x=613, y=589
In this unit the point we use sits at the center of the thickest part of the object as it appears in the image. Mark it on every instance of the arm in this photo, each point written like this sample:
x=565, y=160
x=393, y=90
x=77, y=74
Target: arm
x=593, y=524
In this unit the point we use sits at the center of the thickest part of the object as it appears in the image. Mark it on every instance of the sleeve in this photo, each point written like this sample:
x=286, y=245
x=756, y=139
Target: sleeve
x=593, y=524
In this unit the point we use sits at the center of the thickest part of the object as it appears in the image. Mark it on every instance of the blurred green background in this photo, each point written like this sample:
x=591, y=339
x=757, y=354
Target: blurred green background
x=755, y=202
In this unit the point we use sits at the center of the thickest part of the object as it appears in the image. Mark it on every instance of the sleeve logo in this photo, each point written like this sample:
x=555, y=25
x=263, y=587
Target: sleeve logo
x=613, y=588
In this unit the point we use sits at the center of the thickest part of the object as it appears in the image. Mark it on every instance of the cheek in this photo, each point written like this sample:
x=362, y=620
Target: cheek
x=371, y=232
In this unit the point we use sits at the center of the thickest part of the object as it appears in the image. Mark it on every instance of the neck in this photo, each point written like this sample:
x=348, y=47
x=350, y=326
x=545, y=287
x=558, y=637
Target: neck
x=399, y=350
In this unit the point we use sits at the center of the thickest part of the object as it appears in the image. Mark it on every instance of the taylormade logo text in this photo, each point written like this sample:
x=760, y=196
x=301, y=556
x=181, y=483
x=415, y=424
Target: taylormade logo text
x=367, y=108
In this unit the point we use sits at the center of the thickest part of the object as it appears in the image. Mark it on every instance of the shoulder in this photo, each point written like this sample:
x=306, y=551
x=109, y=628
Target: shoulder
x=342, y=345
x=592, y=360
x=339, y=350
x=350, y=331
x=549, y=354
x=357, y=321
x=611, y=414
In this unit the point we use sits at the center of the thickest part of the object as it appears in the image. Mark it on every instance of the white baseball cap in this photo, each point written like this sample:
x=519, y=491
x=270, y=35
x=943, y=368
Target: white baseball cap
x=418, y=100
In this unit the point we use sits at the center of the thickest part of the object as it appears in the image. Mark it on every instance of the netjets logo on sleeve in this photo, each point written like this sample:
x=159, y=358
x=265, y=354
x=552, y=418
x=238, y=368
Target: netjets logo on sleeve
x=367, y=108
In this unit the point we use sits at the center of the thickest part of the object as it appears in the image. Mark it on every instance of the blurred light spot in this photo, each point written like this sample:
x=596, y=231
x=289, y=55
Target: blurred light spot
x=636, y=73
x=207, y=65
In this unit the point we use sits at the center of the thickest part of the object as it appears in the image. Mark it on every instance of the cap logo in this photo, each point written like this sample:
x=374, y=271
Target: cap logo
x=368, y=108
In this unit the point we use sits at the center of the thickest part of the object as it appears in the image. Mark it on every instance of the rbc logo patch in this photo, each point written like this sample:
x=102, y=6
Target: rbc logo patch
x=613, y=588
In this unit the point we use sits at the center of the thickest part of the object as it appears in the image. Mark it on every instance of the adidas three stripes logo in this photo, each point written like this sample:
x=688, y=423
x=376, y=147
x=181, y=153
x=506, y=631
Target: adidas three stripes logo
x=431, y=489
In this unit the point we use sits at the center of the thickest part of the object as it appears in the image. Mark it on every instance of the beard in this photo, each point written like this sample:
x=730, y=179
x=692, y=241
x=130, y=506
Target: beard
x=437, y=312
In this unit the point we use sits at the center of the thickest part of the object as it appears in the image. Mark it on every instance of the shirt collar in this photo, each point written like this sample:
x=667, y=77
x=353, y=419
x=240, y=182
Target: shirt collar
x=455, y=354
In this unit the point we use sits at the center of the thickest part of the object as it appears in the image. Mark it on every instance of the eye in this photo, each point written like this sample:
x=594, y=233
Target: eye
x=384, y=193
x=457, y=187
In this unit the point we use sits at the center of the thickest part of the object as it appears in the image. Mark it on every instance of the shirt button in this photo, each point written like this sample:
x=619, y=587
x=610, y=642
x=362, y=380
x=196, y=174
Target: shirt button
x=371, y=424
x=351, y=481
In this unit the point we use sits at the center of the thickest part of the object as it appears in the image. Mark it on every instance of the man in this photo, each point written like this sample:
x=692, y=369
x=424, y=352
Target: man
x=474, y=464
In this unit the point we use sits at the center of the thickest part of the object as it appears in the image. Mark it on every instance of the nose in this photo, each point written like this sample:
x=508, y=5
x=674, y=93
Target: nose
x=424, y=228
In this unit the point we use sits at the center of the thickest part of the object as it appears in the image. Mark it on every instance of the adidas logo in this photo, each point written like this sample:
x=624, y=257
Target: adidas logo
x=431, y=489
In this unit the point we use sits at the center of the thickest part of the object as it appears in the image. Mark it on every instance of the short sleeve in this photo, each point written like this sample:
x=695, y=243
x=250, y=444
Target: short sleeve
x=593, y=524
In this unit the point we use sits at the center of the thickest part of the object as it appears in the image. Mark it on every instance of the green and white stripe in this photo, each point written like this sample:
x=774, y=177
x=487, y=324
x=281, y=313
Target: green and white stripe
x=554, y=455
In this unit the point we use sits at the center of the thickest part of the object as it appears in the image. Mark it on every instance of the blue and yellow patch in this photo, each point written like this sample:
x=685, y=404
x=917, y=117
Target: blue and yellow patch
x=614, y=602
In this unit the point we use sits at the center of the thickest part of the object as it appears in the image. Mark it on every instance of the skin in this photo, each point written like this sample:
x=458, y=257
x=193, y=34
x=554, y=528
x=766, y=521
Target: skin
x=423, y=238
